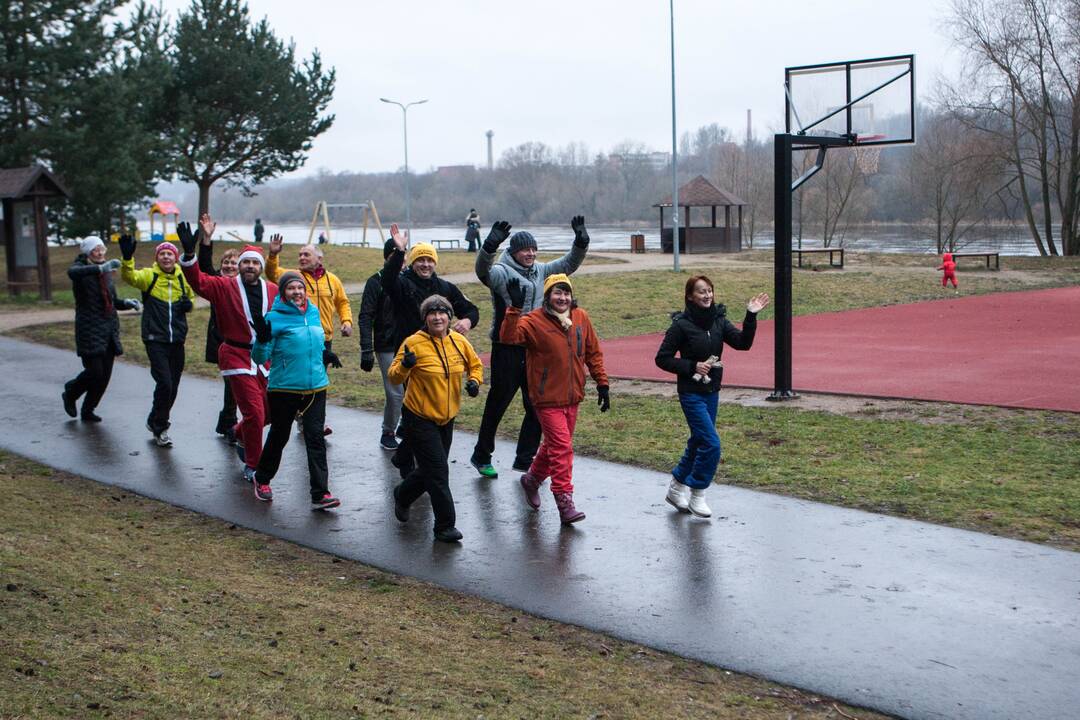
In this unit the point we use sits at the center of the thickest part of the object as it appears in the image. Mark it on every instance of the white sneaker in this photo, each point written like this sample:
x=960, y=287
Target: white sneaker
x=162, y=439
x=698, y=506
x=678, y=496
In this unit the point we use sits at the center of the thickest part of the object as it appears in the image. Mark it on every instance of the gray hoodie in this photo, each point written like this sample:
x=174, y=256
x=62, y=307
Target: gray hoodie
x=496, y=274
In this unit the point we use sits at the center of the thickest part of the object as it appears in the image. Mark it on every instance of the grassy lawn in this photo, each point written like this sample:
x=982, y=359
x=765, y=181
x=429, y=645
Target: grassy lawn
x=125, y=607
x=1006, y=472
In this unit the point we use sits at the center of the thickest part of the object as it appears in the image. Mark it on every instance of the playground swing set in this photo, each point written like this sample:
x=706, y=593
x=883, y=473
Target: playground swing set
x=322, y=213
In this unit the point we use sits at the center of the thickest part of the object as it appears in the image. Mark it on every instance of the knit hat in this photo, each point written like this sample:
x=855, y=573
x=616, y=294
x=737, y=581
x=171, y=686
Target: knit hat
x=89, y=243
x=289, y=276
x=388, y=248
x=557, y=279
x=420, y=250
x=253, y=253
x=522, y=240
x=166, y=247
x=435, y=303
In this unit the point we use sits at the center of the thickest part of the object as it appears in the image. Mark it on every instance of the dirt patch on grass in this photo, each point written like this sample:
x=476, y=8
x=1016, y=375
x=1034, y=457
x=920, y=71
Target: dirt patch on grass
x=113, y=605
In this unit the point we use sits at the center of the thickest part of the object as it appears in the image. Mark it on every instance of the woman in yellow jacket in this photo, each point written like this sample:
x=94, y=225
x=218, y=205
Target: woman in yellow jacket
x=433, y=361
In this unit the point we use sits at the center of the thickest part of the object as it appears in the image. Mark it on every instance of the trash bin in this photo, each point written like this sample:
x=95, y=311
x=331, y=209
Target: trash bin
x=637, y=243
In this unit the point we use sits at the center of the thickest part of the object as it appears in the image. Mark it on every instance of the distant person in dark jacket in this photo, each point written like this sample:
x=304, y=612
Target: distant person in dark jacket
x=376, y=322
x=259, y=230
x=697, y=335
x=230, y=267
x=97, y=327
x=472, y=230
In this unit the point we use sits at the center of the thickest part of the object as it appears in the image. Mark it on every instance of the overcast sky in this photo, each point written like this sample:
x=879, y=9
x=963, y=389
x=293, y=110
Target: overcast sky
x=560, y=71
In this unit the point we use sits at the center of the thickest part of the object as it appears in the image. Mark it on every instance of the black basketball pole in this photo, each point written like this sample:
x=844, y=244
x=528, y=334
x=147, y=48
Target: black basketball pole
x=782, y=149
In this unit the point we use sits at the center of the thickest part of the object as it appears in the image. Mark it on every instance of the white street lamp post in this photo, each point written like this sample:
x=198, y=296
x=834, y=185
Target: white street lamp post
x=405, y=126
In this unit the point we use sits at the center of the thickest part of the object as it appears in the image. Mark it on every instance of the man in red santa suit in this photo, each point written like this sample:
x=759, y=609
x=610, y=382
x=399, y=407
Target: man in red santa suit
x=236, y=300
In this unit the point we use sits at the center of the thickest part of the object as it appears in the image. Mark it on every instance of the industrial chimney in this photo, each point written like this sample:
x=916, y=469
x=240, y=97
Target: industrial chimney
x=491, y=159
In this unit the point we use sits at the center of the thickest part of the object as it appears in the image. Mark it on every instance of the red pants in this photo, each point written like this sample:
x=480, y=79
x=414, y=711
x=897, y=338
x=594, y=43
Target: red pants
x=250, y=394
x=946, y=278
x=555, y=458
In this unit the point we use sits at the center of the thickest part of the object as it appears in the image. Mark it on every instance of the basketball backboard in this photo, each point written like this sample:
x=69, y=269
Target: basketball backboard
x=870, y=101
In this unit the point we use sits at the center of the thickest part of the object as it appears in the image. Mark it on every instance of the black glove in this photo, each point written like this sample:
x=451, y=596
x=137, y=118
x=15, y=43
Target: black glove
x=185, y=305
x=187, y=238
x=331, y=359
x=516, y=293
x=127, y=246
x=499, y=232
x=408, y=358
x=581, y=235
x=603, y=398
x=472, y=387
x=261, y=326
x=367, y=360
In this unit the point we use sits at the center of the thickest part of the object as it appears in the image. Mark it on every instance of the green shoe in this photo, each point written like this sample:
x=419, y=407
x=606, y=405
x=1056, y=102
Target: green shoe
x=486, y=469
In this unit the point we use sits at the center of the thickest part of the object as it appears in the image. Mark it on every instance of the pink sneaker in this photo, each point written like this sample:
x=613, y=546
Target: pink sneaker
x=531, y=486
x=263, y=491
x=568, y=514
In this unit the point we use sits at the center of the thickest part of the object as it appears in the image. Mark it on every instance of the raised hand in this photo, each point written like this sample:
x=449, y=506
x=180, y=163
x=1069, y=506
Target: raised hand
x=276, y=241
x=206, y=228
x=758, y=303
x=330, y=358
x=408, y=357
x=581, y=235
x=109, y=266
x=187, y=238
x=499, y=232
x=127, y=246
x=400, y=241
x=472, y=387
x=263, y=332
x=367, y=361
x=603, y=398
x=516, y=292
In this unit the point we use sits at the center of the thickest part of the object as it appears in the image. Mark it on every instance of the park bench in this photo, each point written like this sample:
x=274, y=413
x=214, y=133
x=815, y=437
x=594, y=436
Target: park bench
x=986, y=255
x=839, y=251
x=449, y=242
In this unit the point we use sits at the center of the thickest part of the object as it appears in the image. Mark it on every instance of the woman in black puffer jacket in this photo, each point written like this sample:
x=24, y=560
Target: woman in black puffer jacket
x=698, y=335
x=97, y=327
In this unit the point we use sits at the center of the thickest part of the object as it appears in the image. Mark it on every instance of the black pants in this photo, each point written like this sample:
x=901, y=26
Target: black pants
x=166, y=366
x=227, y=417
x=507, y=377
x=430, y=446
x=93, y=380
x=284, y=407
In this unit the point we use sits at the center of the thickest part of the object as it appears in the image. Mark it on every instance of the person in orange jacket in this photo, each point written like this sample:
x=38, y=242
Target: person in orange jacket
x=560, y=343
x=949, y=267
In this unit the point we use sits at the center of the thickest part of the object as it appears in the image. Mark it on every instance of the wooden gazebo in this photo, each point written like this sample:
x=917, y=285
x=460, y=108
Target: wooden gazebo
x=700, y=193
x=24, y=192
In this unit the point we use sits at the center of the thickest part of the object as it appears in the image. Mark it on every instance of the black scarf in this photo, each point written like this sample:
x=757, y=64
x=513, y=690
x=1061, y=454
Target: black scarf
x=702, y=317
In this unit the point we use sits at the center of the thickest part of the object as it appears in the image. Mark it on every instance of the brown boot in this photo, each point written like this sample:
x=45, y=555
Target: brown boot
x=568, y=514
x=531, y=486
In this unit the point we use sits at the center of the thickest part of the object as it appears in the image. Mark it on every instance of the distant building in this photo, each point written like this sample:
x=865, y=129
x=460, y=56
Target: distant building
x=655, y=160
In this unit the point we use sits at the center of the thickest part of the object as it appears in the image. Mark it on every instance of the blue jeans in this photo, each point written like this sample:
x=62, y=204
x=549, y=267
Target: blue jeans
x=698, y=464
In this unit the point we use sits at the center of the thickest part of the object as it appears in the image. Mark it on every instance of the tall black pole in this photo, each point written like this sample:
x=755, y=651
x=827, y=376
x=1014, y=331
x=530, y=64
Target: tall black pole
x=782, y=146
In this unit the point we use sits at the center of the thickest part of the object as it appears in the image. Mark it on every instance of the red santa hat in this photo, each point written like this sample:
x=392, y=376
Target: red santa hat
x=253, y=253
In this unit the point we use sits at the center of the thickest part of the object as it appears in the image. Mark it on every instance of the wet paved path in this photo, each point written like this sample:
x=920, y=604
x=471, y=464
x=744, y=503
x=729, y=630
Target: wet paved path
x=908, y=618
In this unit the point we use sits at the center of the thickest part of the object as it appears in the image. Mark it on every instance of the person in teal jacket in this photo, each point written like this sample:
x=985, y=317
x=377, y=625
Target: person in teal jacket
x=291, y=337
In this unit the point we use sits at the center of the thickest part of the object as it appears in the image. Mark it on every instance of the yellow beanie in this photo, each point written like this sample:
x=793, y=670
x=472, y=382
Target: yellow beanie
x=555, y=279
x=420, y=250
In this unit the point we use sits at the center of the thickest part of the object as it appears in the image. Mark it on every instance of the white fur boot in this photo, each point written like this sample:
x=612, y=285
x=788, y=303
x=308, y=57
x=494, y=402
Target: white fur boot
x=678, y=496
x=698, y=506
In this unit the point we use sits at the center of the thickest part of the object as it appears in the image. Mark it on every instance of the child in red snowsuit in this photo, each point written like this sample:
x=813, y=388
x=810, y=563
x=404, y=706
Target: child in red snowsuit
x=949, y=267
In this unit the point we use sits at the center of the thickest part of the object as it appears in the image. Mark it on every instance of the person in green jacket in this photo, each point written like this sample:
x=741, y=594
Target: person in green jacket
x=167, y=300
x=291, y=337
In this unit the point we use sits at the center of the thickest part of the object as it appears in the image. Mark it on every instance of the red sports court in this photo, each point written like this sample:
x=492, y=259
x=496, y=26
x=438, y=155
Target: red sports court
x=1019, y=349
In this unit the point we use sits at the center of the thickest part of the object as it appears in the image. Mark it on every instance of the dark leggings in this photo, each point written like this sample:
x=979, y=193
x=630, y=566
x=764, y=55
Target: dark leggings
x=92, y=381
x=430, y=445
x=284, y=407
x=166, y=367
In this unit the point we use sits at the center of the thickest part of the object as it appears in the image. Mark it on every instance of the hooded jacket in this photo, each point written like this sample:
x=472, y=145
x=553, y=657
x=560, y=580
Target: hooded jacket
x=164, y=317
x=324, y=287
x=376, y=317
x=295, y=350
x=97, y=326
x=407, y=290
x=697, y=333
x=555, y=359
x=434, y=389
x=496, y=274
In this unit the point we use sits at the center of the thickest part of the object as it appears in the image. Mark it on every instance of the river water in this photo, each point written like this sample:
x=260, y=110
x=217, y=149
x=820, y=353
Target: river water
x=873, y=238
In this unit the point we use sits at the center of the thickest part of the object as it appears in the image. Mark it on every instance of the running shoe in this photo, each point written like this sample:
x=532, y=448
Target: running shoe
x=162, y=439
x=263, y=491
x=69, y=404
x=325, y=502
x=388, y=441
x=486, y=469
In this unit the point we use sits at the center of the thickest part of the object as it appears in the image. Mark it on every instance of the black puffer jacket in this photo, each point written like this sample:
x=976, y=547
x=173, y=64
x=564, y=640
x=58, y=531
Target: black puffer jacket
x=376, y=319
x=695, y=334
x=408, y=290
x=97, y=326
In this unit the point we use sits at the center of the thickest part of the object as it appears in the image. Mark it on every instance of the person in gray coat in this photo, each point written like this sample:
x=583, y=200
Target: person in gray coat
x=508, y=361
